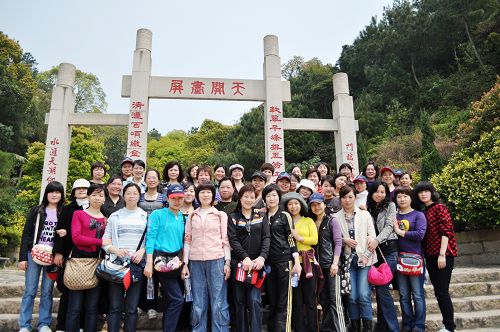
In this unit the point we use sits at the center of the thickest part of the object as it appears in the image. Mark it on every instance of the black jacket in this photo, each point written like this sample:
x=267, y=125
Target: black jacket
x=109, y=207
x=326, y=245
x=29, y=231
x=248, y=238
x=63, y=245
x=282, y=243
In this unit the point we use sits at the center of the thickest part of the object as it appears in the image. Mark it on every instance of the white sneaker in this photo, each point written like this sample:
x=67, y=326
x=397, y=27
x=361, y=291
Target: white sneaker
x=24, y=329
x=443, y=329
x=152, y=314
x=45, y=328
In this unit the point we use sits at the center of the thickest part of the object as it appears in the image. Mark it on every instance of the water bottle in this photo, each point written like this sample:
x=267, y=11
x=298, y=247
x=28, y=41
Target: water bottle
x=150, y=289
x=187, y=290
x=295, y=279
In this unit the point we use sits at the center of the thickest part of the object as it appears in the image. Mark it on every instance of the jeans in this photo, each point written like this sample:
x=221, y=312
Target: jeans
x=387, y=318
x=31, y=279
x=331, y=302
x=440, y=279
x=305, y=306
x=120, y=302
x=279, y=292
x=247, y=297
x=174, y=300
x=208, y=285
x=75, y=300
x=412, y=286
x=360, y=303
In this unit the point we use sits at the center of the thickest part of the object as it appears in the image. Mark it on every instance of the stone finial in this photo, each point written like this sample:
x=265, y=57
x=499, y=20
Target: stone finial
x=66, y=75
x=271, y=45
x=340, y=84
x=144, y=39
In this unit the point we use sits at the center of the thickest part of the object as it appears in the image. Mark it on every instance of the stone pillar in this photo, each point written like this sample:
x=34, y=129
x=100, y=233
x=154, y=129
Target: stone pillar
x=273, y=106
x=346, y=150
x=55, y=163
x=139, y=97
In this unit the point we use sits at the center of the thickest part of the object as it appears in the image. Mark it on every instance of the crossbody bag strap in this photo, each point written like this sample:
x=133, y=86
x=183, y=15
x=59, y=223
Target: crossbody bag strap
x=380, y=250
x=36, y=226
x=289, y=218
x=142, y=237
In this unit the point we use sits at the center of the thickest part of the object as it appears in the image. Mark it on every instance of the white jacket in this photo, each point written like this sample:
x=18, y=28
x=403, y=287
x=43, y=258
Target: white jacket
x=363, y=232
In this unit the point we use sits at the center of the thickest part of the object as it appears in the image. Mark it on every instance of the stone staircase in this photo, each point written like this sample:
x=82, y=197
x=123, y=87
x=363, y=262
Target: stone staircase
x=475, y=293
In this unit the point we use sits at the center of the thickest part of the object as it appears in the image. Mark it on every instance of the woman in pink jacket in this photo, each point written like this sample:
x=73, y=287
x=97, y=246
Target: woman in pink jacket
x=207, y=251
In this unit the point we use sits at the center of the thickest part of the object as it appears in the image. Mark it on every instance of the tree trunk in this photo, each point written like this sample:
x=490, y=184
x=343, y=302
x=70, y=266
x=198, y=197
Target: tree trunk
x=413, y=71
x=472, y=42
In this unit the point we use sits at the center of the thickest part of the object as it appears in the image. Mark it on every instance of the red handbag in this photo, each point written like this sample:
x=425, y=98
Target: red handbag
x=410, y=264
x=249, y=277
x=381, y=275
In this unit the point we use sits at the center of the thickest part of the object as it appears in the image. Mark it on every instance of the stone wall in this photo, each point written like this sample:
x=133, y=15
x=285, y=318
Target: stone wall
x=478, y=247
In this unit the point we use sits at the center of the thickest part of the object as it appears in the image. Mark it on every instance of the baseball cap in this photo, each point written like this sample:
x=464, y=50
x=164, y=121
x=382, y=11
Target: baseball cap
x=259, y=175
x=385, y=169
x=234, y=166
x=284, y=176
x=398, y=172
x=316, y=198
x=81, y=183
x=360, y=178
x=127, y=160
x=175, y=190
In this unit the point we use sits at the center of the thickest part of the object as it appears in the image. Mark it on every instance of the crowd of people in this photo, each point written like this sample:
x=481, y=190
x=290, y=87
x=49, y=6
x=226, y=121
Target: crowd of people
x=210, y=250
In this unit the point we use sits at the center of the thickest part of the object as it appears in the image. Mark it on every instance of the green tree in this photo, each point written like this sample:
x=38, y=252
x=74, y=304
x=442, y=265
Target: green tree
x=11, y=211
x=172, y=146
x=431, y=160
x=470, y=182
x=483, y=116
x=17, y=87
x=90, y=97
x=115, y=145
x=84, y=151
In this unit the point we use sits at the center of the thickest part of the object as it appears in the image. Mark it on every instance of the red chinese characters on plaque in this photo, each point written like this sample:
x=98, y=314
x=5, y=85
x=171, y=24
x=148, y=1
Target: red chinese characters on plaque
x=51, y=165
x=275, y=137
x=138, y=114
x=197, y=88
x=218, y=88
x=237, y=88
x=205, y=87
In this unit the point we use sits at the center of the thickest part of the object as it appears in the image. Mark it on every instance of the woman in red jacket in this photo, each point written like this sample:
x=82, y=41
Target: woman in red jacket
x=440, y=248
x=87, y=229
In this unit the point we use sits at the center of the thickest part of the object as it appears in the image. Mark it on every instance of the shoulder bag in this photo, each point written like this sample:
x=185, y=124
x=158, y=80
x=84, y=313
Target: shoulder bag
x=380, y=275
x=117, y=270
x=79, y=273
x=41, y=253
x=410, y=264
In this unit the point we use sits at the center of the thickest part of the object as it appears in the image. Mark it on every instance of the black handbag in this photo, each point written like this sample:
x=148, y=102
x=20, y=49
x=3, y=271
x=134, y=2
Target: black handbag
x=119, y=269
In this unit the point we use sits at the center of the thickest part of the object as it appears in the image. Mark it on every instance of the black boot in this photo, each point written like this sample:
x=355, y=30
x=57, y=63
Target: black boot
x=354, y=326
x=367, y=325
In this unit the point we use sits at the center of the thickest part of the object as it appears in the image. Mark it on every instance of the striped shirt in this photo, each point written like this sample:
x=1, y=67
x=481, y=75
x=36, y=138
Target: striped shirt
x=125, y=228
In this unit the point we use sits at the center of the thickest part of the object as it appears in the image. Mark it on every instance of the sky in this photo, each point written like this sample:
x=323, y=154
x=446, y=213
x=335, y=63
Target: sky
x=219, y=38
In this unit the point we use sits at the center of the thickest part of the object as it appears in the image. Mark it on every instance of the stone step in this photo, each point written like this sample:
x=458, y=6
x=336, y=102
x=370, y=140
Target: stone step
x=488, y=320
x=11, y=305
x=475, y=274
x=464, y=304
x=467, y=320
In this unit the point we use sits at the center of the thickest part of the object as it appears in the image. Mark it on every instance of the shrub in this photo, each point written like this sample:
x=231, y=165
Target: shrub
x=470, y=182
